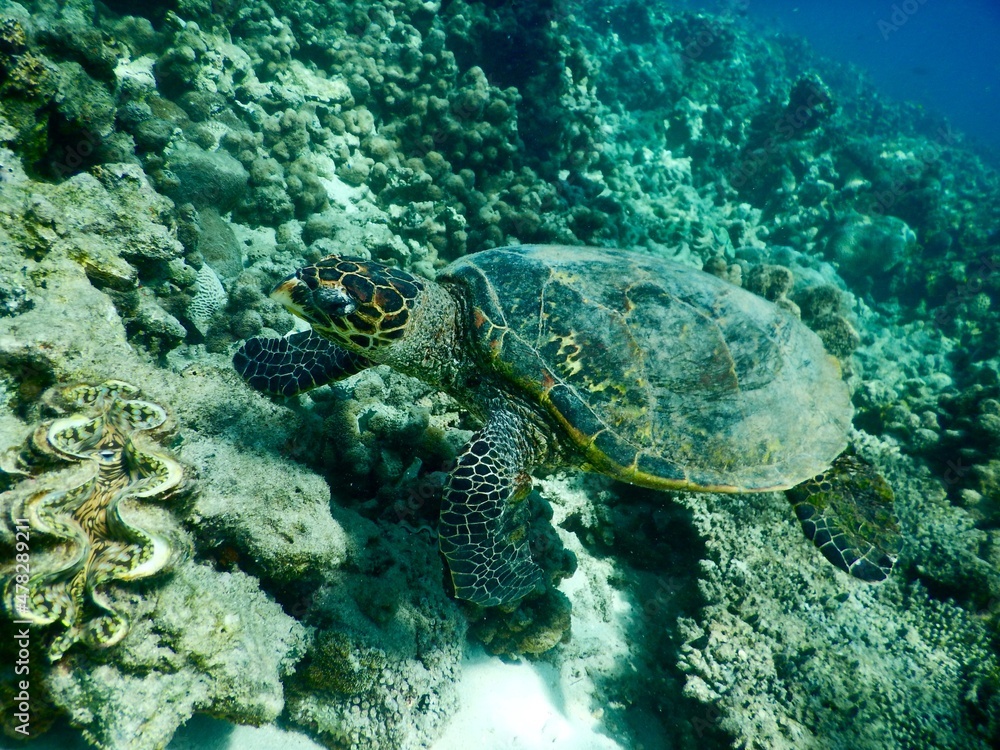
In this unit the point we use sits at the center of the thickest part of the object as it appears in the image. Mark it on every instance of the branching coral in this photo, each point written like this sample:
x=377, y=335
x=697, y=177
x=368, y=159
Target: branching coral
x=75, y=532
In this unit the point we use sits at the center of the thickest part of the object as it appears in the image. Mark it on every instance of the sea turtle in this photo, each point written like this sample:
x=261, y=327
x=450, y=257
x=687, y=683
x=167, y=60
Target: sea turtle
x=649, y=371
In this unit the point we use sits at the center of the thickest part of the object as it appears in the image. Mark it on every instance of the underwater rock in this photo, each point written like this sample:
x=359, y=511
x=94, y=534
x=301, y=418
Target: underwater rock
x=305, y=188
x=824, y=309
x=86, y=104
x=74, y=39
x=382, y=672
x=772, y=283
x=155, y=327
x=820, y=301
x=206, y=642
x=768, y=281
x=535, y=627
x=838, y=335
x=104, y=268
x=207, y=178
x=57, y=81
x=865, y=246
x=810, y=104
x=705, y=38
x=134, y=81
x=153, y=134
x=199, y=640
x=108, y=203
x=92, y=529
x=188, y=228
x=14, y=296
x=386, y=431
x=291, y=538
x=218, y=245
x=718, y=266
x=204, y=62
x=758, y=634
x=978, y=308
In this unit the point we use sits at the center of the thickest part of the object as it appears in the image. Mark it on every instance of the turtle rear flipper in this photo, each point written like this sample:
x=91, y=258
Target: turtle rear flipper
x=483, y=531
x=847, y=511
x=295, y=363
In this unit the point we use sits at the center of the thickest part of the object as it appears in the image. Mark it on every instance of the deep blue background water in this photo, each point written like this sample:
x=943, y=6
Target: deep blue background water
x=945, y=55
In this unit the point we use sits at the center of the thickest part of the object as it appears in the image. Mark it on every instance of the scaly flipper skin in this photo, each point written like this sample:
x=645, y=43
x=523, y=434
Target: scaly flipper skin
x=295, y=363
x=483, y=532
x=847, y=511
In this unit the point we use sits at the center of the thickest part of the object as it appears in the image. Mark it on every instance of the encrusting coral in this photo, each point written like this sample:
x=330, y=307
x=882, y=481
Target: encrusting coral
x=80, y=526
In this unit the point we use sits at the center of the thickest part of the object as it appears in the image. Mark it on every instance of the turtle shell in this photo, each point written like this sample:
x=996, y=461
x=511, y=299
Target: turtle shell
x=659, y=374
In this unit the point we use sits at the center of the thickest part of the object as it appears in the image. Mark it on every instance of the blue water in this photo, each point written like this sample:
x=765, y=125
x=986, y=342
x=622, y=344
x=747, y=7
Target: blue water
x=942, y=54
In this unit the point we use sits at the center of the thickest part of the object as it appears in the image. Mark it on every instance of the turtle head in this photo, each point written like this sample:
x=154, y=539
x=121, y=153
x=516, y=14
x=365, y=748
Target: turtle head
x=363, y=305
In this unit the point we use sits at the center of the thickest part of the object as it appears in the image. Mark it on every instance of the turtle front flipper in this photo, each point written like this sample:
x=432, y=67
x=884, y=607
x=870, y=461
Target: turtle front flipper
x=483, y=533
x=292, y=364
x=847, y=511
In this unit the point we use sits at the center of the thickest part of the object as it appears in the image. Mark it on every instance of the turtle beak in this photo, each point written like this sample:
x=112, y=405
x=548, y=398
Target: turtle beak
x=316, y=304
x=295, y=296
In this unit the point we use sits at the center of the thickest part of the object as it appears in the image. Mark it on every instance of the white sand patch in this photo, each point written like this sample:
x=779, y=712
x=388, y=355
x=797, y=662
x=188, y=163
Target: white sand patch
x=555, y=706
x=518, y=707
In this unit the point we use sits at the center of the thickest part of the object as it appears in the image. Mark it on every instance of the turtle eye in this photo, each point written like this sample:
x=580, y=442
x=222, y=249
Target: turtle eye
x=334, y=301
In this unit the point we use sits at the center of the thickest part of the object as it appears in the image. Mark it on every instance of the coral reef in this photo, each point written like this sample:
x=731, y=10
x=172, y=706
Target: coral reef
x=162, y=165
x=734, y=648
x=383, y=668
x=205, y=178
x=864, y=247
x=208, y=300
x=206, y=642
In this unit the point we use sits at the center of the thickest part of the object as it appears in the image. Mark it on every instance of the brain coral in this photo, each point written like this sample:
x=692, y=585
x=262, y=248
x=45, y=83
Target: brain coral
x=209, y=298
